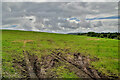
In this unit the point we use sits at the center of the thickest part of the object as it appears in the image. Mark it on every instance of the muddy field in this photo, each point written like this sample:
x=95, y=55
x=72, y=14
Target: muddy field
x=33, y=67
x=46, y=55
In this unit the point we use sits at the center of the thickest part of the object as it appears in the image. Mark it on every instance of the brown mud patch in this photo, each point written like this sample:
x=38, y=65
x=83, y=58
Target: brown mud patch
x=92, y=39
x=50, y=40
x=42, y=68
x=24, y=41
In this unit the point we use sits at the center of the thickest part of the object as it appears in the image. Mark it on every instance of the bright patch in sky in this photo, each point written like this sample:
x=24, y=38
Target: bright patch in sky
x=14, y=26
x=111, y=17
x=96, y=18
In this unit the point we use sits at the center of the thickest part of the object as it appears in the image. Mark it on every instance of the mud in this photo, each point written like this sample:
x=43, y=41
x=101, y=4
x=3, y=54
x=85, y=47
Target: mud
x=42, y=68
x=92, y=39
x=80, y=65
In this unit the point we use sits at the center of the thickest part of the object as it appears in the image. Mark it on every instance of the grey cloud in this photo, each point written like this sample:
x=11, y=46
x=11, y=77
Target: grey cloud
x=16, y=13
x=98, y=24
x=60, y=0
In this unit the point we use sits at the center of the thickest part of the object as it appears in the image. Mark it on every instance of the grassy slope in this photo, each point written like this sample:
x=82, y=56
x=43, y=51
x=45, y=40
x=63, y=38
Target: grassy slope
x=104, y=49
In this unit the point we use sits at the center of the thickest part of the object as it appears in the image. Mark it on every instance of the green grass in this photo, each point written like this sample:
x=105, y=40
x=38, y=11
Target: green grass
x=104, y=49
x=64, y=73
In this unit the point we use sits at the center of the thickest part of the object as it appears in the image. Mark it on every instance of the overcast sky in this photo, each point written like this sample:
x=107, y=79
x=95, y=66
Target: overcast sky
x=61, y=0
x=61, y=17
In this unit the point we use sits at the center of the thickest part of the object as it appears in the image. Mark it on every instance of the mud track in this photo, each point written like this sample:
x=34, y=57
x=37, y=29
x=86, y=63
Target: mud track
x=79, y=64
x=33, y=67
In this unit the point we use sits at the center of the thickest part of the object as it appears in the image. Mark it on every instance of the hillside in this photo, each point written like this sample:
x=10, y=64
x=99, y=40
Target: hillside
x=27, y=54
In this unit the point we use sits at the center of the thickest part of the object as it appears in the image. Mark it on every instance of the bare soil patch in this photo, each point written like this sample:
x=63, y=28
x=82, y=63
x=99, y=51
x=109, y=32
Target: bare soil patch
x=42, y=68
x=92, y=39
x=24, y=41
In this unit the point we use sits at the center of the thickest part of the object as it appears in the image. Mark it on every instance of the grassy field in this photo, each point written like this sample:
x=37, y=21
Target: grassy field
x=42, y=44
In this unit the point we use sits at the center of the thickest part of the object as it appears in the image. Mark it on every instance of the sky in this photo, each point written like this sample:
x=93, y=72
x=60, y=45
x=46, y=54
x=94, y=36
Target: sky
x=60, y=16
x=60, y=0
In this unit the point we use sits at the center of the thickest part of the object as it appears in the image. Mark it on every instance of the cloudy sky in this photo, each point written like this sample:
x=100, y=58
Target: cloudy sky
x=61, y=17
x=61, y=0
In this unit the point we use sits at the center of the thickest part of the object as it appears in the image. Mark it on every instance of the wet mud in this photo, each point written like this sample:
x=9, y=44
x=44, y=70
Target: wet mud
x=33, y=67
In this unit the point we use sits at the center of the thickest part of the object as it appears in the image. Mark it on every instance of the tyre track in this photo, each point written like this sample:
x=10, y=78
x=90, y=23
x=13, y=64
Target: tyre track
x=87, y=74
